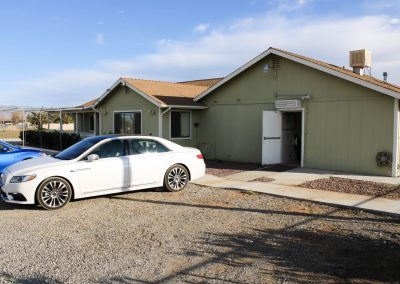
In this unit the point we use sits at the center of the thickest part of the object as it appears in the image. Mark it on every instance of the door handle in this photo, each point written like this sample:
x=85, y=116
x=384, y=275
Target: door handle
x=80, y=170
x=271, y=138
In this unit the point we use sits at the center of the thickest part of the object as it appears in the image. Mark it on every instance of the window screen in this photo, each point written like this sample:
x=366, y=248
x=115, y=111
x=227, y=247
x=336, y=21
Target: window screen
x=128, y=123
x=180, y=124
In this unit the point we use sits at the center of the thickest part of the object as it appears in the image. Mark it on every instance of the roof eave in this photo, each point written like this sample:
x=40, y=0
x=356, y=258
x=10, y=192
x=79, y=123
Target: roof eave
x=187, y=107
x=339, y=74
x=301, y=61
x=133, y=88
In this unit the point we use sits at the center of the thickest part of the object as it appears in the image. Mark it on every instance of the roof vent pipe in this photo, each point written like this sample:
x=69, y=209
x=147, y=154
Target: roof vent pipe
x=385, y=77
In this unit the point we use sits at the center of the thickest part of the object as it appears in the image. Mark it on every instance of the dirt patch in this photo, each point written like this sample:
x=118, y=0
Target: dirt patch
x=304, y=208
x=263, y=179
x=222, y=172
x=222, y=169
x=355, y=187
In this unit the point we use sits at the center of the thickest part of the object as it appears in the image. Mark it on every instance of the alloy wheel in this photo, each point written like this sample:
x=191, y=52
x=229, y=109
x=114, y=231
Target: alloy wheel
x=177, y=178
x=54, y=194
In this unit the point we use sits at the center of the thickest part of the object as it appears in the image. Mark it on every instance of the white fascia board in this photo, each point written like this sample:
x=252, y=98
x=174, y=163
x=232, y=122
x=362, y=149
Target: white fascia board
x=304, y=62
x=188, y=107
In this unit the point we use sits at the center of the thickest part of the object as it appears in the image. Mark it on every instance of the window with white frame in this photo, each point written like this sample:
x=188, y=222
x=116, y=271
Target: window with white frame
x=180, y=124
x=128, y=122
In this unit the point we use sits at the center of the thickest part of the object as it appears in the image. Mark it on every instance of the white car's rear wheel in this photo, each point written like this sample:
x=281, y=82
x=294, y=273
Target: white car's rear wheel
x=54, y=193
x=176, y=178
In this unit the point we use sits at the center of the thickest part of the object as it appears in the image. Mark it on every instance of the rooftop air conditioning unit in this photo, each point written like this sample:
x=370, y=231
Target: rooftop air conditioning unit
x=287, y=104
x=360, y=59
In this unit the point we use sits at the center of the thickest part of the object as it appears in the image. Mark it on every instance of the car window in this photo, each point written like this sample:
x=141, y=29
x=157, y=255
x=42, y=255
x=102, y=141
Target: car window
x=142, y=146
x=78, y=149
x=4, y=148
x=114, y=148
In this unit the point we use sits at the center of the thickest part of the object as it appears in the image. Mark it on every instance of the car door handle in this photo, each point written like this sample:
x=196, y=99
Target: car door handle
x=80, y=170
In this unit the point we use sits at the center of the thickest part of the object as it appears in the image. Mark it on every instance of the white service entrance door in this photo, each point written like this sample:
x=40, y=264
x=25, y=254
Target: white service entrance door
x=272, y=137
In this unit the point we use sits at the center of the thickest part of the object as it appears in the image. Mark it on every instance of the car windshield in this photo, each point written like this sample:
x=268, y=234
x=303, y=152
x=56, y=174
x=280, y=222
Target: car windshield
x=79, y=148
x=5, y=144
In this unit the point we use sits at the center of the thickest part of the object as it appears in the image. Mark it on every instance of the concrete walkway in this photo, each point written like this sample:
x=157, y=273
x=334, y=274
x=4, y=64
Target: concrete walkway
x=285, y=185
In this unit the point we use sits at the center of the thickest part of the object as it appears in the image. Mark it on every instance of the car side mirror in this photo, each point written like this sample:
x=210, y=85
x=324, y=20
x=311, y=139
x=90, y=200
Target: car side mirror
x=93, y=157
x=4, y=149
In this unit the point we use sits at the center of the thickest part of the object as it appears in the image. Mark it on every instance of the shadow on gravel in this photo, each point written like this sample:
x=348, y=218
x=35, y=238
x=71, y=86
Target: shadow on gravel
x=303, y=255
x=4, y=206
x=129, y=280
x=8, y=278
x=254, y=210
x=297, y=254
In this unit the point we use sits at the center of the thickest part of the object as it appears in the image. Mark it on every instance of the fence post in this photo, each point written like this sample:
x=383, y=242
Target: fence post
x=23, y=127
x=61, y=129
x=40, y=128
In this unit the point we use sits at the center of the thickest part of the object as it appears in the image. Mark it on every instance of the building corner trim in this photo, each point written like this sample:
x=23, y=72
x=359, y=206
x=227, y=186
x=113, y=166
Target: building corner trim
x=395, y=158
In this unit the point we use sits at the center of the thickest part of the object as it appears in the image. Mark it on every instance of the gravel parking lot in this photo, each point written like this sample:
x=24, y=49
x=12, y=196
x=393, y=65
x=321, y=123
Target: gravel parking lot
x=200, y=235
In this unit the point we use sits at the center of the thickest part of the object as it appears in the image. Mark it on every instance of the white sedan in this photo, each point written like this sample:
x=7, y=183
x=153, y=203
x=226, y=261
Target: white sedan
x=101, y=165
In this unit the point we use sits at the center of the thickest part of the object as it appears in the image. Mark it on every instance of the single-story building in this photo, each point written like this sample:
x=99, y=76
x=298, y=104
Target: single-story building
x=279, y=107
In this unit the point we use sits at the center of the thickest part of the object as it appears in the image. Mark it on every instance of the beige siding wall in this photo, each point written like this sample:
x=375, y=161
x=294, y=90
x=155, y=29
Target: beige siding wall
x=345, y=124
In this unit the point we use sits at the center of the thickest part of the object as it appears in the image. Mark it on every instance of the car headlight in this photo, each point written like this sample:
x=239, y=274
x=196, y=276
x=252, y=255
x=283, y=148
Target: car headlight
x=19, y=179
x=2, y=179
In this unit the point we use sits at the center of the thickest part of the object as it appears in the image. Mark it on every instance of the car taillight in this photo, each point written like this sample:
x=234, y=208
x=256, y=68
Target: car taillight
x=199, y=156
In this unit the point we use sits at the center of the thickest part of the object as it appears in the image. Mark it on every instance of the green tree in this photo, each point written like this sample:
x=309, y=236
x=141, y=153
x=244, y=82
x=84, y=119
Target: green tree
x=37, y=119
x=66, y=117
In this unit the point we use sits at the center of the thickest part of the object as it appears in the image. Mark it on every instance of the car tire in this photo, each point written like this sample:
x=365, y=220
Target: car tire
x=176, y=178
x=53, y=193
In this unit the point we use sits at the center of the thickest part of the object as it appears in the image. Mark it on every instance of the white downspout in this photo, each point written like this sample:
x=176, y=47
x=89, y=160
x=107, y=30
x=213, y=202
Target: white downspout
x=160, y=123
x=160, y=119
x=395, y=157
x=100, y=120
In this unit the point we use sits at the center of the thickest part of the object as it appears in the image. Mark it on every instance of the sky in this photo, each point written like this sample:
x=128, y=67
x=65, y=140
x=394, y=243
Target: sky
x=62, y=53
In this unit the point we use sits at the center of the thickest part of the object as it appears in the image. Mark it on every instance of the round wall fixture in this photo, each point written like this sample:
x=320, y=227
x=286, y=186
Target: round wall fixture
x=383, y=159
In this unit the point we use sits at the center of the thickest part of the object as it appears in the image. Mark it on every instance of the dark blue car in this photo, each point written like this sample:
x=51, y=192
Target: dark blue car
x=10, y=154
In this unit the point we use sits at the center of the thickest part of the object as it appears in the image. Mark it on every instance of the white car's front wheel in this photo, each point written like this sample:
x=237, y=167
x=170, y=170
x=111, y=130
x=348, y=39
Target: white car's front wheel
x=54, y=193
x=176, y=178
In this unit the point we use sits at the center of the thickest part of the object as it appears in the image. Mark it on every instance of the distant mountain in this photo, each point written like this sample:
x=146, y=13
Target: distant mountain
x=5, y=112
x=6, y=107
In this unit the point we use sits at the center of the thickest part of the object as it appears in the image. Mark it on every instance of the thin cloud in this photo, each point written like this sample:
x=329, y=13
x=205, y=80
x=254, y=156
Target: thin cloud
x=100, y=39
x=219, y=51
x=201, y=28
x=328, y=39
x=395, y=21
